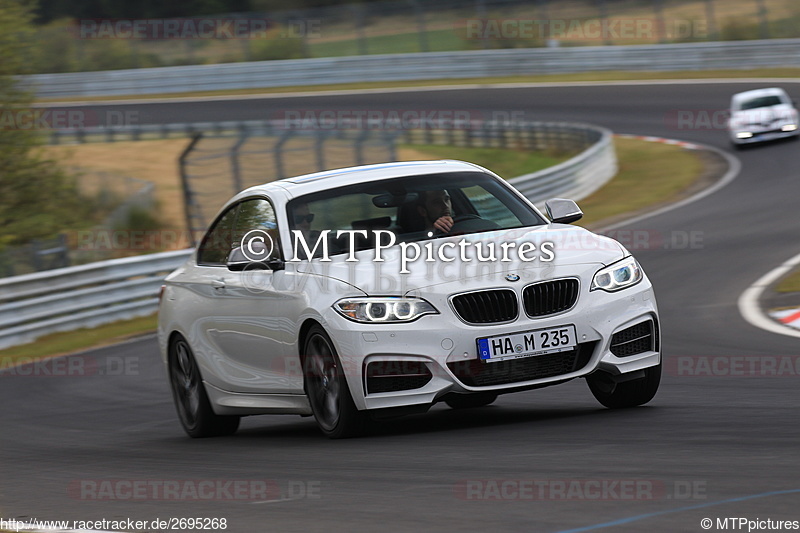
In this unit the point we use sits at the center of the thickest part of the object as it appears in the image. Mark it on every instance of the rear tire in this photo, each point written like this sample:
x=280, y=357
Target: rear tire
x=327, y=389
x=628, y=393
x=469, y=401
x=194, y=409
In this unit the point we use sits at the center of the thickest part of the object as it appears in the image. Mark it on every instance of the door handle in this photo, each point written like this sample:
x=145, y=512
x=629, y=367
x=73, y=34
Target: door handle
x=218, y=283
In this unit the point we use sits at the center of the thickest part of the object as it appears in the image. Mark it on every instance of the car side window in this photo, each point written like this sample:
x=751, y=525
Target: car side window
x=489, y=207
x=257, y=214
x=218, y=241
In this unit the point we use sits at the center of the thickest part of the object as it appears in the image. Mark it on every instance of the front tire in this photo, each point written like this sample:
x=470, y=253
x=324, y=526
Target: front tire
x=628, y=393
x=327, y=390
x=194, y=409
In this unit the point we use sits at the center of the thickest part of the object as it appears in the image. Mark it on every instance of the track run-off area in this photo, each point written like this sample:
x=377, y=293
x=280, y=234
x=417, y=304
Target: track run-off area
x=715, y=443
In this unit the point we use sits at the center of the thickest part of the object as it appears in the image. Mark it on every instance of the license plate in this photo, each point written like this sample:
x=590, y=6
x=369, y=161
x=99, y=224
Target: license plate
x=526, y=344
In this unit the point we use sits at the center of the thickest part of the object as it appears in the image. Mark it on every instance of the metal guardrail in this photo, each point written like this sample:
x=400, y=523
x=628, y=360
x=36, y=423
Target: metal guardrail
x=71, y=298
x=419, y=66
x=97, y=293
x=577, y=177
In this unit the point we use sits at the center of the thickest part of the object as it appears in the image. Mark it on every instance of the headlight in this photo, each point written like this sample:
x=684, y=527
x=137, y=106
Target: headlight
x=372, y=310
x=620, y=275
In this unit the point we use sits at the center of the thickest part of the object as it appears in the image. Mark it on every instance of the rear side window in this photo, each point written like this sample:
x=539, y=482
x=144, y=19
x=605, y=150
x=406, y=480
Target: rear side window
x=228, y=231
x=218, y=241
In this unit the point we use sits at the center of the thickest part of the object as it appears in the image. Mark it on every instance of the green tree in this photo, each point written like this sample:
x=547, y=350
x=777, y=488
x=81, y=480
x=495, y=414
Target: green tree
x=37, y=199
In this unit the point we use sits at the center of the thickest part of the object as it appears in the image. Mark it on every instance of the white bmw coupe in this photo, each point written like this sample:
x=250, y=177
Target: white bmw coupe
x=380, y=290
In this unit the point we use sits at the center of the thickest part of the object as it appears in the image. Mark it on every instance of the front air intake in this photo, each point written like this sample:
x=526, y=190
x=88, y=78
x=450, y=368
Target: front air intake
x=486, y=307
x=550, y=297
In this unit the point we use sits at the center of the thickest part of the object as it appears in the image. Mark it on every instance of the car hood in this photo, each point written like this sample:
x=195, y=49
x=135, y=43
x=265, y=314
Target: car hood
x=568, y=245
x=763, y=115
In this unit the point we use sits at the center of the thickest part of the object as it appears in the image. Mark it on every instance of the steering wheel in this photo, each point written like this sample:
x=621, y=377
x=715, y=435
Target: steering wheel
x=469, y=223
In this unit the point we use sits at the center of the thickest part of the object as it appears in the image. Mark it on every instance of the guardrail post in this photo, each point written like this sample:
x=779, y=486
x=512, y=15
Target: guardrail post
x=480, y=13
x=660, y=25
x=603, y=13
x=319, y=140
x=358, y=148
x=762, y=17
x=278, y=154
x=391, y=141
x=360, y=35
x=711, y=21
x=234, y=155
x=427, y=135
x=187, y=192
x=422, y=32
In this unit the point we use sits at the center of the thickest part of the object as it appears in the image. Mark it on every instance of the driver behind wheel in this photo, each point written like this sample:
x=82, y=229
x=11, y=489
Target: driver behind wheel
x=436, y=208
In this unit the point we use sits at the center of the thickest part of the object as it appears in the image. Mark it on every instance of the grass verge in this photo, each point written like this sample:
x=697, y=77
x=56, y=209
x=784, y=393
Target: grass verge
x=790, y=283
x=502, y=162
x=650, y=174
x=155, y=161
x=543, y=78
x=81, y=339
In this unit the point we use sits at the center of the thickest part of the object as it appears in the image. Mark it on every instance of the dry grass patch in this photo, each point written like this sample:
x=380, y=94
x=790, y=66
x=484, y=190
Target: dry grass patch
x=155, y=161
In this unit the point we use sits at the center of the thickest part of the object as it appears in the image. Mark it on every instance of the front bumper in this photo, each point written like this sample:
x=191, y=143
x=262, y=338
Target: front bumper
x=764, y=136
x=437, y=354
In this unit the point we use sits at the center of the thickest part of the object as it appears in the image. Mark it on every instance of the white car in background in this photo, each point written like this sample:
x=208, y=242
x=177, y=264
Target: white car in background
x=762, y=115
x=352, y=328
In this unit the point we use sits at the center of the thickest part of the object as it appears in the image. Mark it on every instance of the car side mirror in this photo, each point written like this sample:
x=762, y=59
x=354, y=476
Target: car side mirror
x=563, y=211
x=238, y=261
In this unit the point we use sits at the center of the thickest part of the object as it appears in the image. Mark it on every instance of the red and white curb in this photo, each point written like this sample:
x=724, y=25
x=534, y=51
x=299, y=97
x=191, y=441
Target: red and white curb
x=662, y=140
x=787, y=317
x=750, y=307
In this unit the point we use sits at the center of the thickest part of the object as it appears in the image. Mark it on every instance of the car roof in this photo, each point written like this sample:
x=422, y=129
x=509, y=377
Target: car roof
x=757, y=93
x=328, y=179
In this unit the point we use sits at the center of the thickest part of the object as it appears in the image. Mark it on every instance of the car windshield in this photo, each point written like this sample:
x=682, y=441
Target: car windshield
x=761, y=101
x=408, y=207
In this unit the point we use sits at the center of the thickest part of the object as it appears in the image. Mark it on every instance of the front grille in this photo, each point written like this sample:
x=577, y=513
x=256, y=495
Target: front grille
x=487, y=307
x=393, y=376
x=633, y=340
x=475, y=373
x=550, y=297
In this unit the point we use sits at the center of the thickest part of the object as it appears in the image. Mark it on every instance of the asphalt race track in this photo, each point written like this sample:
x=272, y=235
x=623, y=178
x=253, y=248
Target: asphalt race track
x=710, y=445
